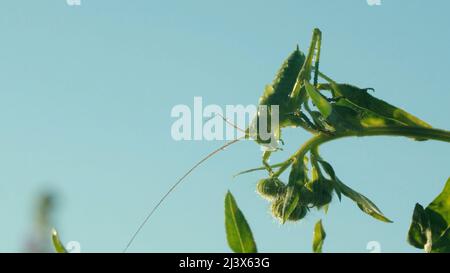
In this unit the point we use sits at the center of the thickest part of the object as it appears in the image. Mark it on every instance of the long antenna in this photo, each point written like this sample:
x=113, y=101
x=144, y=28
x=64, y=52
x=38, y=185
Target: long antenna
x=232, y=124
x=175, y=185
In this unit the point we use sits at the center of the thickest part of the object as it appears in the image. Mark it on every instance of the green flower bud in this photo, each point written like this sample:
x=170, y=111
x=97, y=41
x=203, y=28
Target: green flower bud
x=299, y=212
x=306, y=196
x=322, y=190
x=277, y=207
x=322, y=199
x=270, y=188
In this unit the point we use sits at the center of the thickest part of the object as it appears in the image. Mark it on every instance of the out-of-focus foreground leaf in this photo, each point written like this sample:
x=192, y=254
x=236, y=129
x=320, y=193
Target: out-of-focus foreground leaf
x=59, y=247
x=430, y=227
x=363, y=202
x=239, y=235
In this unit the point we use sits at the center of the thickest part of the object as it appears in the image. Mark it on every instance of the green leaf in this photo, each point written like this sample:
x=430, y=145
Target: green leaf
x=430, y=227
x=330, y=171
x=363, y=202
x=291, y=199
x=370, y=119
x=318, y=237
x=321, y=103
x=239, y=235
x=441, y=204
x=344, y=118
x=361, y=98
x=419, y=232
x=59, y=247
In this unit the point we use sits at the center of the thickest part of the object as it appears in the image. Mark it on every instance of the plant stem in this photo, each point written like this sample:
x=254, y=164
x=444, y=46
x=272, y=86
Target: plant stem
x=413, y=132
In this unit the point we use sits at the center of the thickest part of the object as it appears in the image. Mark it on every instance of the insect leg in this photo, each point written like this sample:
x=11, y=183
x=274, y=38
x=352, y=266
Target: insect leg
x=298, y=93
x=316, y=63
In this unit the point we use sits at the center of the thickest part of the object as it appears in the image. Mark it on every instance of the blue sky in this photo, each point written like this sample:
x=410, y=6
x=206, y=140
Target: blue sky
x=86, y=94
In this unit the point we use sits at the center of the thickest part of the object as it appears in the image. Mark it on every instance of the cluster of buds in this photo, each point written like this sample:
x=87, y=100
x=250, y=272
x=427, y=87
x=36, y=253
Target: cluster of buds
x=292, y=202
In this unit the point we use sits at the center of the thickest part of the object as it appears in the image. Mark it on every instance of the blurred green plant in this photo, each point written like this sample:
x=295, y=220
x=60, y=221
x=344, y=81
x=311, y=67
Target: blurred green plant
x=57, y=244
x=38, y=240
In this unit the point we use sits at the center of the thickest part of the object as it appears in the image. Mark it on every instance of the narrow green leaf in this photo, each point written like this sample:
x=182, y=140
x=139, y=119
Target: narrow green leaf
x=441, y=204
x=322, y=104
x=430, y=227
x=239, y=235
x=363, y=202
x=327, y=168
x=318, y=237
x=330, y=171
x=59, y=247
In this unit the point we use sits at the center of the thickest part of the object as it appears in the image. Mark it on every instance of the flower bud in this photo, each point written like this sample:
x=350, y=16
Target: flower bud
x=277, y=207
x=299, y=212
x=270, y=188
x=322, y=199
x=322, y=190
x=306, y=196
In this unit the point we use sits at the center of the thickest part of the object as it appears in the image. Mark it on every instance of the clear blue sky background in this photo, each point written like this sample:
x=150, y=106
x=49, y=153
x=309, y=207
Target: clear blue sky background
x=86, y=94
